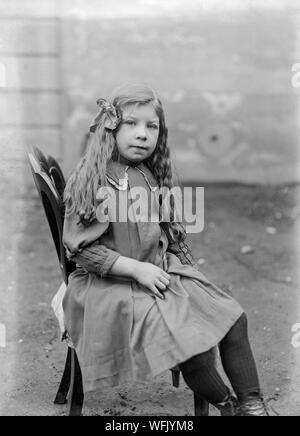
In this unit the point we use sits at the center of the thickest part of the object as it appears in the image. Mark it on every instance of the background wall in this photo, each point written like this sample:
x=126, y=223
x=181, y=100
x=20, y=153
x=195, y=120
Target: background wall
x=30, y=81
x=223, y=70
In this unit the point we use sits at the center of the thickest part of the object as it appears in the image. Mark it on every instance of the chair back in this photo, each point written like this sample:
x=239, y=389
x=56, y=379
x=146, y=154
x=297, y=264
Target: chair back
x=50, y=183
x=56, y=175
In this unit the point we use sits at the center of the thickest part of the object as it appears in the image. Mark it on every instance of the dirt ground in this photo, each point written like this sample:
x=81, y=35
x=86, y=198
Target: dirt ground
x=265, y=281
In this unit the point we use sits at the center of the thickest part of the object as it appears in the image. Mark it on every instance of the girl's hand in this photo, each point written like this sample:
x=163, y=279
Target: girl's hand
x=152, y=277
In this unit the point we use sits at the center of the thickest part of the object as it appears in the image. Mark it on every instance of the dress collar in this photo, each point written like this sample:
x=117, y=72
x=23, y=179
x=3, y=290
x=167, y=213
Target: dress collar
x=117, y=173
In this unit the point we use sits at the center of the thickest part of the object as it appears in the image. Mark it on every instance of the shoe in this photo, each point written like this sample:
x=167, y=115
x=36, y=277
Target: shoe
x=252, y=405
x=228, y=406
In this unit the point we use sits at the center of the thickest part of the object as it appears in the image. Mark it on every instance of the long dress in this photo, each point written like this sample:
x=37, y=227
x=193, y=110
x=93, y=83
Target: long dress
x=120, y=331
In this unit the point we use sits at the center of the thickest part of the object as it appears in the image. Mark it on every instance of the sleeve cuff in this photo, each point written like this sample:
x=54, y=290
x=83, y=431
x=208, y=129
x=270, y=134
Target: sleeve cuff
x=96, y=259
x=108, y=263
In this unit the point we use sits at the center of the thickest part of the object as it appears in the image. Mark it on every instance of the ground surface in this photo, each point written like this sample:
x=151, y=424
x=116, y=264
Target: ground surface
x=265, y=282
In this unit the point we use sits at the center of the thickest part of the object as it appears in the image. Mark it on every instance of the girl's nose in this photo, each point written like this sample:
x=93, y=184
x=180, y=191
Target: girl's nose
x=141, y=133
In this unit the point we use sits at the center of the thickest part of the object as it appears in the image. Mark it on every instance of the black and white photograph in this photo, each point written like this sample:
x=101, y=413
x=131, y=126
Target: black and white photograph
x=150, y=222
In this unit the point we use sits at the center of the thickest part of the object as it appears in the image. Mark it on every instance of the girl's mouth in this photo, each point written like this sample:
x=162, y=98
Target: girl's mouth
x=138, y=147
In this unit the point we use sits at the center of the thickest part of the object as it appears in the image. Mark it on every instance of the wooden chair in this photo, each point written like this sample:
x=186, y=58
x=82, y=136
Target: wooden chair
x=50, y=183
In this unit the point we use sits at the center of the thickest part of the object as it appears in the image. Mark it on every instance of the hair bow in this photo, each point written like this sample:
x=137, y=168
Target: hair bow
x=111, y=118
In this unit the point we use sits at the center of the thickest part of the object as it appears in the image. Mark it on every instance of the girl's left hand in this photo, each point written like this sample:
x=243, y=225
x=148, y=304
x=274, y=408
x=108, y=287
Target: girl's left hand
x=155, y=279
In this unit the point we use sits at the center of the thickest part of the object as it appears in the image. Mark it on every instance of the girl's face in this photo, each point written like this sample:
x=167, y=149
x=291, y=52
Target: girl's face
x=138, y=133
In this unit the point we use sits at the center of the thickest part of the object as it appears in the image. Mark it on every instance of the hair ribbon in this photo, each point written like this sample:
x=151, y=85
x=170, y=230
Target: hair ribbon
x=108, y=113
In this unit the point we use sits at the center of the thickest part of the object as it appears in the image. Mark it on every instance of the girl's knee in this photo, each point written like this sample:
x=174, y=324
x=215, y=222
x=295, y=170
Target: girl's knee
x=242, y=323
x=243, y=319
x=238, y=332
x=198, y=362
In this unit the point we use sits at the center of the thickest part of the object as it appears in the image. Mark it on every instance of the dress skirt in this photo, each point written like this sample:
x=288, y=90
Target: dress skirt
x=122, y=333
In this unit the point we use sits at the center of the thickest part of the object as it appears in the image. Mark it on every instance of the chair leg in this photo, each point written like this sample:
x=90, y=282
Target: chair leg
x=175, y=377
x=76, y=393
x=61, y=396
x=201, y=406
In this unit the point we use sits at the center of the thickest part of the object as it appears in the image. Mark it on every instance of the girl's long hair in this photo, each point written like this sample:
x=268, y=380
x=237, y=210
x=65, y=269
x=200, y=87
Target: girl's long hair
x=90, y=173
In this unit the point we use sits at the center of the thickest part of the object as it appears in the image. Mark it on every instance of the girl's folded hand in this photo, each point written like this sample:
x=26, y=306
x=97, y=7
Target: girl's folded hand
x=152, y=277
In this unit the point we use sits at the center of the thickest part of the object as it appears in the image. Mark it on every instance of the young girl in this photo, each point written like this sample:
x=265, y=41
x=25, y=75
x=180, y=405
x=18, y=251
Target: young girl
x=136, y=306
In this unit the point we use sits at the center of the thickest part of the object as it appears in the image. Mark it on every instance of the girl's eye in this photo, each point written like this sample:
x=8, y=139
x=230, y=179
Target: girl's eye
x=133, y=123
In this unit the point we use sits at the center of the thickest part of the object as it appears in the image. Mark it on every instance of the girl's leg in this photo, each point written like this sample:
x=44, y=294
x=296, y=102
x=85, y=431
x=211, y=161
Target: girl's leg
x=239, y=365
x=237, y=359
x=201, y=376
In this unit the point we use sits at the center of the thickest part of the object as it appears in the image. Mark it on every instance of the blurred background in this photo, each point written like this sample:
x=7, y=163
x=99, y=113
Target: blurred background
x=228, y=73
x=222, y=68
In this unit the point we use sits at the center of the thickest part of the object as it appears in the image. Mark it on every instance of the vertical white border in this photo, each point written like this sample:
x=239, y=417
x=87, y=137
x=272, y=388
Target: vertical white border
x=2, y=75
x=2, y=335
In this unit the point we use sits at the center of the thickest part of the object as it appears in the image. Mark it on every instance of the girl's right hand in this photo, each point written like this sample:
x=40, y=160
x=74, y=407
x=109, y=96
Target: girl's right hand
x=152, y=277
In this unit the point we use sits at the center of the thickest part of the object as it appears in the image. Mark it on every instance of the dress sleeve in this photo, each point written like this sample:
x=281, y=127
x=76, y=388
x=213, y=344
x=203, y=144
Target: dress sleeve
x=183, y=252
x=96, y=258
x=176, y=237
x=83, y=247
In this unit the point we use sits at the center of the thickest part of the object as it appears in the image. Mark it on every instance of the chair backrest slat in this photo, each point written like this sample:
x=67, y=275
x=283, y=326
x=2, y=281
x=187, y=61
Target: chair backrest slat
x=56, y=175
x=50, y=183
